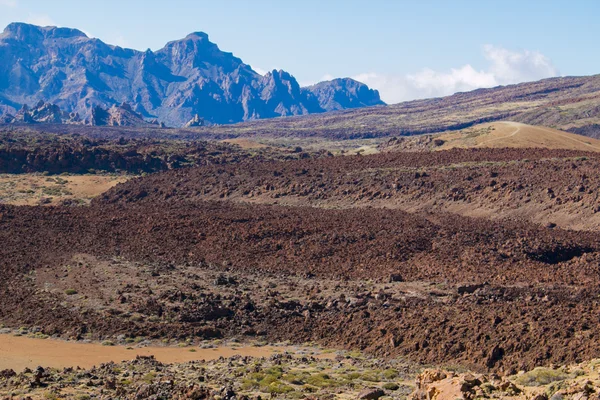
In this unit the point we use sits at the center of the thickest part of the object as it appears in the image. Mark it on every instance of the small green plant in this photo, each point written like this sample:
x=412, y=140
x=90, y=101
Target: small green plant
x=370, y=377
x=149, y=377
x=70, y=292
x=487, y=388
x=541, y=376
x=296, y=377
x=390, y=374
x=107, y=343
x=391, y=386
x=279, y=388
x=321, y=380
x=50, y=396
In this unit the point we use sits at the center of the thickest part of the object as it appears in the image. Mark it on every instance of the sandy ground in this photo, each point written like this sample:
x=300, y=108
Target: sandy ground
x=20, y=352
x=514, y=134
x=33, y=189
x=246, y=143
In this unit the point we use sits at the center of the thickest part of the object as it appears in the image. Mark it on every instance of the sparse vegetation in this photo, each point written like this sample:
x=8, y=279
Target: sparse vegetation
x=542, y=376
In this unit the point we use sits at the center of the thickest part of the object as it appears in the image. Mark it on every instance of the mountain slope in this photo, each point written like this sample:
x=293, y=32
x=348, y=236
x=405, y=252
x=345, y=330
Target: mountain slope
x=187, y=77
x=566, y=103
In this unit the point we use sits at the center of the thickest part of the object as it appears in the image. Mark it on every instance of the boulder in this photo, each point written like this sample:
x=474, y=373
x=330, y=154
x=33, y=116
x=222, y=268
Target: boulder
x=371, y=394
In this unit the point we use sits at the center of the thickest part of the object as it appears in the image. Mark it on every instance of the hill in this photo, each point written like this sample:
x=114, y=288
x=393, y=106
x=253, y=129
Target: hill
x=495, y=135
x=187, y=77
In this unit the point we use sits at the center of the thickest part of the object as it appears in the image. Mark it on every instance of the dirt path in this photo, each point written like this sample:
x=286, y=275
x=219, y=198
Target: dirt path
x=550, y=132
x=20, y=352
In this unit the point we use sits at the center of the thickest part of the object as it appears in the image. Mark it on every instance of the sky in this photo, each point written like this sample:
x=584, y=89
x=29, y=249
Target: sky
x=405, y=49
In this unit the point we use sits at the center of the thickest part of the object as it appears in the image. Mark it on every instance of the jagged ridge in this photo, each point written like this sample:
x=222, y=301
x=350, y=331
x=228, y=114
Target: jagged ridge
x=187, y=77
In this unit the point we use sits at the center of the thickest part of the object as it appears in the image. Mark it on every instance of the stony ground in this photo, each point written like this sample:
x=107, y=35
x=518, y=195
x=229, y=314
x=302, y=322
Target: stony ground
x=292, y=376
x=189, y=256
x=538, y=185
x=284, y=375
x=502, y=327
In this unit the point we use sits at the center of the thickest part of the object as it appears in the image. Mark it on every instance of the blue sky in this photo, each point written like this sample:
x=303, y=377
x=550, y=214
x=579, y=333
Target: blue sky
x=406, y=49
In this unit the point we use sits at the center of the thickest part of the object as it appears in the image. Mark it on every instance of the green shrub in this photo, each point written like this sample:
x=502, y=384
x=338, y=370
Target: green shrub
x=279, y=388
x=149, y=377
x=70, y=292
x=391, y=386
x=296, y=377
x=390, y=374
x=321, y=380
x=370, y=377
x=541, y=376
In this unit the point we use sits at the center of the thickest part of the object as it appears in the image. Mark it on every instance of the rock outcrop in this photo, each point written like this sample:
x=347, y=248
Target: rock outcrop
x=187, y=77
x=47, y=113
x=195, y=122
x=122, y=115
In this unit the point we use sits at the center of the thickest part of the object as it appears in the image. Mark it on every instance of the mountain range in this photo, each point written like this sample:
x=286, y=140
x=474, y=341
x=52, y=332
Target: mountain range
x=188, y=79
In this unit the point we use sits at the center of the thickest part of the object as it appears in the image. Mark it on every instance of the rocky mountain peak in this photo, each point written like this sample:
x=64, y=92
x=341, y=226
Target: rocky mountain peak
x=343, y=93
x=187, y=77
x=281, y=80
x=197, y=36
x=27, y=32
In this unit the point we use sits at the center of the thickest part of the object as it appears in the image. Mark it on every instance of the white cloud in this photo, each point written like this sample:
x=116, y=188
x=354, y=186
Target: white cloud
x=8, y=3
x=40, y=19
x=511, y=67
x=505, y=67
x=259, y=71
x=119, y=40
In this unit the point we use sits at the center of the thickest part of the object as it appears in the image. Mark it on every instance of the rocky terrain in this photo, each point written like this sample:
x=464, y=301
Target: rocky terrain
x=557, y=187
x=279, y=376
x=26, y=151
x=469, y=259
x=346, y=376
x=434, y=288
x=187, y=77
